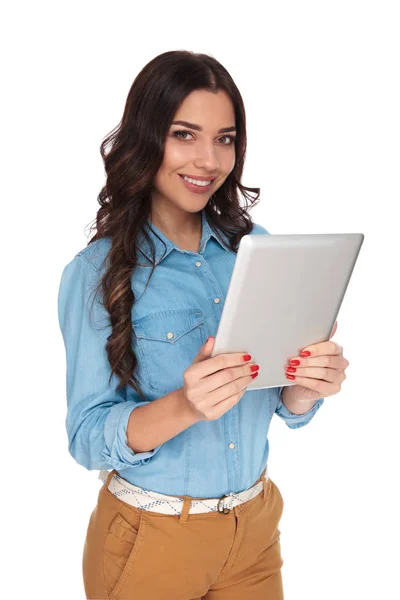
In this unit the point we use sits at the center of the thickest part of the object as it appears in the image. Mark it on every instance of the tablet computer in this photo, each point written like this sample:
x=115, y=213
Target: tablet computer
x=284, y=294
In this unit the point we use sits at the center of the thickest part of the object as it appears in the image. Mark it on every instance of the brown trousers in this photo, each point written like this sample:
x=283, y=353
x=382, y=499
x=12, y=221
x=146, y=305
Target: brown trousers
x=135, y=554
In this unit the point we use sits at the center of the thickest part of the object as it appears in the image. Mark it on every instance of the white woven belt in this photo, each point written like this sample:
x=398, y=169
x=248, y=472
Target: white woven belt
x=172, y=505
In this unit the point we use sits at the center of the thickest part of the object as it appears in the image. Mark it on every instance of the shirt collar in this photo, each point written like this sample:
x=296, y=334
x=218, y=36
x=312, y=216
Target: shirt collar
x=161, y=252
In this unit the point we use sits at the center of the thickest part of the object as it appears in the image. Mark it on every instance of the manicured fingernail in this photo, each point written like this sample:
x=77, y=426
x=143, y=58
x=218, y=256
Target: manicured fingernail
x=294, y=362
x=290, y=376
x=305, y=353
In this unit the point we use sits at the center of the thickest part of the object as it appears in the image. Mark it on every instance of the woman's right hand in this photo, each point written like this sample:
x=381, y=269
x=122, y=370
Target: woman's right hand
x=213, y=385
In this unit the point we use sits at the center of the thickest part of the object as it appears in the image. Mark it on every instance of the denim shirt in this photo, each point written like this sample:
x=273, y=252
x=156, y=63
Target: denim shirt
x=171, y=319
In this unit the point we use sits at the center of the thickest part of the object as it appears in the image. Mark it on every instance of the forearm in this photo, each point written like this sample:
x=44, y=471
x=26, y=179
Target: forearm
x=297, y=407
x=151, y=425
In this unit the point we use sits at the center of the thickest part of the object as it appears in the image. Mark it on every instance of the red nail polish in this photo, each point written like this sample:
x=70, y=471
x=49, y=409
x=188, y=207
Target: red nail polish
x=305, y=353
x=294, y=362
x=291, y=369
x=290, y=376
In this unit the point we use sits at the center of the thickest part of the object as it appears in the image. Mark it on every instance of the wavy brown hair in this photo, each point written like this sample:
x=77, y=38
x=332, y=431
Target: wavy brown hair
x=135, y=154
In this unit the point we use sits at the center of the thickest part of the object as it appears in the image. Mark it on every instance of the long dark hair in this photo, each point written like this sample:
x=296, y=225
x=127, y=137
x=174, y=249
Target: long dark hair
x=131, y=164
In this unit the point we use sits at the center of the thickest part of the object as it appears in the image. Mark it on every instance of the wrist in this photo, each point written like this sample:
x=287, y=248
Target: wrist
x=297, y=406
x=189, y=414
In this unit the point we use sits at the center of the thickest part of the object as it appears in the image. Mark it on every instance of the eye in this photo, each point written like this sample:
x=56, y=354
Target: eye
x=231, y=139
x=180, y=132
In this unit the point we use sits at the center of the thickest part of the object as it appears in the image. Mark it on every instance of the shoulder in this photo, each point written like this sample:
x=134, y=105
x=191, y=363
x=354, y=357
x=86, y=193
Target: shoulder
x=95, y=253
x=257, y=228
x=87, y=264
x=83, y=272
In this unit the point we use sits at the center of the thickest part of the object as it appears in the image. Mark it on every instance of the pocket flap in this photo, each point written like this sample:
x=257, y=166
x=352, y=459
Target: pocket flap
x=168, y=325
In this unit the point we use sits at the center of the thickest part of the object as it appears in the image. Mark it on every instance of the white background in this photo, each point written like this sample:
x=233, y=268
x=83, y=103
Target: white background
x=320, y=82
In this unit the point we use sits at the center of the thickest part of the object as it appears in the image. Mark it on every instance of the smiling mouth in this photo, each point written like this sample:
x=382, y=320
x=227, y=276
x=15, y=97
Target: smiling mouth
x=196, y=179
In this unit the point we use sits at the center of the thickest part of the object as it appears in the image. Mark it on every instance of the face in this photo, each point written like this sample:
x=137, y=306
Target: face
x=202, y=151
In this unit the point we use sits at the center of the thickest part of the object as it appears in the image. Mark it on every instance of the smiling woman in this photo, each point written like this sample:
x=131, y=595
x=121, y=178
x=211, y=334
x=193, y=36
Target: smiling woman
x=144, y=397
x=198, y=155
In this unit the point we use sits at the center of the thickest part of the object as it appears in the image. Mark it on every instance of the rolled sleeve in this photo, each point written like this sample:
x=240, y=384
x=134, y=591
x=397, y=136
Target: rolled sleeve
x=97, y=413
x=117, y=452
x=292, y=420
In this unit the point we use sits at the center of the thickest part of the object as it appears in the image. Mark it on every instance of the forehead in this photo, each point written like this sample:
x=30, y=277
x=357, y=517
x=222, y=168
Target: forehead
x=207, y=109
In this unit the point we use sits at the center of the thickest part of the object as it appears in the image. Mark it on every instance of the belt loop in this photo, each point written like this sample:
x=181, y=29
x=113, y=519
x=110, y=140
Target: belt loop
x=109, y=476
x=187, y=500
x=225, y=510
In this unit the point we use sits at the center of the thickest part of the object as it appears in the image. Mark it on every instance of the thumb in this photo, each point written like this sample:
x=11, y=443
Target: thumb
x=333, y=330
x=205, y=350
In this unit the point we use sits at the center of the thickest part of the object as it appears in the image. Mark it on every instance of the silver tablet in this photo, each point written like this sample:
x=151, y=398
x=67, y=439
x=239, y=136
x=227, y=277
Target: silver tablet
x=284, y=294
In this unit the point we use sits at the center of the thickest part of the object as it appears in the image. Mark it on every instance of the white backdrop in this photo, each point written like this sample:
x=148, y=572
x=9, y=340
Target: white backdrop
x=320, y=82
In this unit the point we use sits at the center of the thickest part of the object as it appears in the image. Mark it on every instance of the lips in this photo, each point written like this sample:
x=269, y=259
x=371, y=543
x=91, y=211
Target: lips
x=196, y=188
x=197, y=178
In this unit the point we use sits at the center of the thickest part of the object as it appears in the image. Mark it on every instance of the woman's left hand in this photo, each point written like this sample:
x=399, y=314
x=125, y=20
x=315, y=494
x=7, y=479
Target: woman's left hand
x=319, y=373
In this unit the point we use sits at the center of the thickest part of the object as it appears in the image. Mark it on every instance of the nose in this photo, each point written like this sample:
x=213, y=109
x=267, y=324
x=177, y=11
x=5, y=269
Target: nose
x=206, y=158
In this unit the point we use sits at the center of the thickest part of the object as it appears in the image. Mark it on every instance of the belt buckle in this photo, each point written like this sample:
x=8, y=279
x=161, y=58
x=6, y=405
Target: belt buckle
x=225, y=509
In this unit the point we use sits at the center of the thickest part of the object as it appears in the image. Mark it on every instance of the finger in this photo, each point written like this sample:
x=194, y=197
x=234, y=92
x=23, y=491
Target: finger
x=322, y=348
x=336, y=361
x=322, y=373
x=324, y=388
x=333, y=330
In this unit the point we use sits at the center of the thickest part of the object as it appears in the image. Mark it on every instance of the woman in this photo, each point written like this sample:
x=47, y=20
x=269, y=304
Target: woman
x=187, y=510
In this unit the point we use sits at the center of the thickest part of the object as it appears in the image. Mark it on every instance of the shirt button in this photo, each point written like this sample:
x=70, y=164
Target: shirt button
x=170, y=335
x=198, y=264
x=231, y=445
x=216, y=300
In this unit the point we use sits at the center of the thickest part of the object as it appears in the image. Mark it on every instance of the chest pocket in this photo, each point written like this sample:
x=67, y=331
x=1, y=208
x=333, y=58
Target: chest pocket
x=167, y=342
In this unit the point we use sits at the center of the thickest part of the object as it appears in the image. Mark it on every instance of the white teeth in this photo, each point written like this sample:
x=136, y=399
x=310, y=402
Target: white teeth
x=201, y=183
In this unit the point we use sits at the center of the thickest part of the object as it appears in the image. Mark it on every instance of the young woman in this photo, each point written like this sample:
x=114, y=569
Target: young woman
x=187, y=510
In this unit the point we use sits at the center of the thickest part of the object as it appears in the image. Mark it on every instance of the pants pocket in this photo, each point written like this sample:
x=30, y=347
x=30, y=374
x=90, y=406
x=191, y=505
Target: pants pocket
x=121, y=545
x=278, y=504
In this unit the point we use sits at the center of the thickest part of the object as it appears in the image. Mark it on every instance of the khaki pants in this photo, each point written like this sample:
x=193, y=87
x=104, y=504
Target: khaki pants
x=135, y=554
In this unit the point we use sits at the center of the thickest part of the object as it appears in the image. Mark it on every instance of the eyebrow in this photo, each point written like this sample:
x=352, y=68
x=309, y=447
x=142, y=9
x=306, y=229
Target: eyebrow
x=198, y=128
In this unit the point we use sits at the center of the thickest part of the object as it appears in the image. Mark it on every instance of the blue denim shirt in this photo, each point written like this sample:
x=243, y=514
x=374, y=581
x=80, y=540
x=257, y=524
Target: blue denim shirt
x=171, y=319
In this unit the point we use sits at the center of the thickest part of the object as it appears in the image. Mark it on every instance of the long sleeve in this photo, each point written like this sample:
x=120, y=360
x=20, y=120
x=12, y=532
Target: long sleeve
x=292, y=420
x=97, y=414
